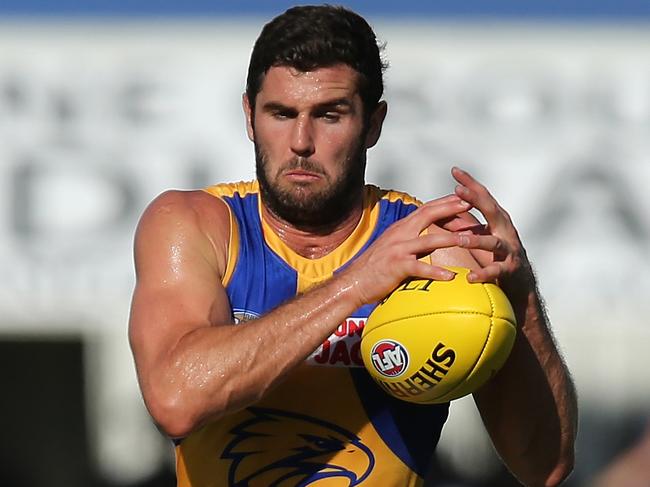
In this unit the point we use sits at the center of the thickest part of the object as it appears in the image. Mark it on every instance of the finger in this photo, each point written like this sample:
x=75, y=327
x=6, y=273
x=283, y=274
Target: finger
x=489, y=273
x=417, y=268
x=467, y=216
x=466, y=179
x=483, y=242
x=428, y=214
x=450, y=198
x=427, y=243
x=478, y=196
x=460, y=224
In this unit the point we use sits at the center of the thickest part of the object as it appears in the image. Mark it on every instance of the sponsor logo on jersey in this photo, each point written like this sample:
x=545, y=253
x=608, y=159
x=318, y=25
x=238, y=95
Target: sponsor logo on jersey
x=342, y=348
x=276, y=447
x=389, y=358
x=243, y=315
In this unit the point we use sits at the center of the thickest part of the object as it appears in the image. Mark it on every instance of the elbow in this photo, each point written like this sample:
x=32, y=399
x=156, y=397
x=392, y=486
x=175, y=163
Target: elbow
x=173, y=416
x=179, y=413
x=539, y=470
x=561, y=471
x=175, y=427
x=556, y=459
x=550, y=477
x=564, y=463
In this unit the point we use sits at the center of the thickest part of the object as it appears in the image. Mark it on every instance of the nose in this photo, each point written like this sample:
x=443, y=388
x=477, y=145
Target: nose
x=302, y=137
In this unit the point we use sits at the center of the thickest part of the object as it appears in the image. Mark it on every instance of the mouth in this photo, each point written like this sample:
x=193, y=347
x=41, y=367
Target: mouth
x=302, y=176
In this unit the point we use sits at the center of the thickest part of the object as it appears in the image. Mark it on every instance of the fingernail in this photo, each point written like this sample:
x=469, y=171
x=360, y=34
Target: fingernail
x=463, y=240
x=448, y=275
x=471, y=277
x=464, y=203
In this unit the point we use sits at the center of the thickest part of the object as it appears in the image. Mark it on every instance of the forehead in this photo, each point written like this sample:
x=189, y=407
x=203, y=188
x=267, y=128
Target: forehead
x=288, y=85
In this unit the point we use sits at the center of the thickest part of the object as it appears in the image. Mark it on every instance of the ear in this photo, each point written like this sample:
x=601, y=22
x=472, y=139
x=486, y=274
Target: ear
x=375, y=124
x=248, y=113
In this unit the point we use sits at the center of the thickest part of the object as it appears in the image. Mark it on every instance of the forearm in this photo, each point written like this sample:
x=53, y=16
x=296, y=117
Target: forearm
x=530, y=406
x=194, y=365
x=216, y=370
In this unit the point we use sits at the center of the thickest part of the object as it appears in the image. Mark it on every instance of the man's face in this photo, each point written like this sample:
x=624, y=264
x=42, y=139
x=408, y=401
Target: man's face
x=310, y=143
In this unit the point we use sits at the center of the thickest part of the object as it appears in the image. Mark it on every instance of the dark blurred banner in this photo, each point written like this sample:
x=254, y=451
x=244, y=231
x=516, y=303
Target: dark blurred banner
x=535, y=9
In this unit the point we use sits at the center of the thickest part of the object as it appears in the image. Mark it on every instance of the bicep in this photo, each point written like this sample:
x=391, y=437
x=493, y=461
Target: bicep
x=162, y=315
x=178, y=287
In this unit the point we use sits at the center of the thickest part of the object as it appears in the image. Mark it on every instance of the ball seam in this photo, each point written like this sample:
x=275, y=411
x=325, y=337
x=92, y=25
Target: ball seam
x=451, y=391
x=462, y=382
x=491, y=300
x=493, y=306
x=431, y=314
x=494, y=313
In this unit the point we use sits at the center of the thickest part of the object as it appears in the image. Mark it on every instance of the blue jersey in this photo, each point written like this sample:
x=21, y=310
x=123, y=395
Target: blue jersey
x=328, y=423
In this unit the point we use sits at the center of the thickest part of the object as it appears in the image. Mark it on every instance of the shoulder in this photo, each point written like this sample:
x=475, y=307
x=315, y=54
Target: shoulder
x=240, y=188
x=389, y=204
x=391, y=195
x=183, y=219
x=186, y=209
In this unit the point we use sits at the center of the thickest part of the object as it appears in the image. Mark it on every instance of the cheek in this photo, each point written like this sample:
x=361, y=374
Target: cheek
x=266, y=128
x=274, y=131
x=271, y=140
x=339, y=143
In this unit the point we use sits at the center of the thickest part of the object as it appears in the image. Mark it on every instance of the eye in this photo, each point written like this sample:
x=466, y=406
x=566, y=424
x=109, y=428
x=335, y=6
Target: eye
x=325, y=444
x=332, y=116
x=328, y=114
x=281, y=114
x=320, y=443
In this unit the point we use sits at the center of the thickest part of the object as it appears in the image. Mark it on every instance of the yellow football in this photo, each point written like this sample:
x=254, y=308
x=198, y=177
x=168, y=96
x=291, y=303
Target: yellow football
x=435, y=341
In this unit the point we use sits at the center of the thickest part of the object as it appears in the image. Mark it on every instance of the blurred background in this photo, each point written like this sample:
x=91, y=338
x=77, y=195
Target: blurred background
x=105, y=104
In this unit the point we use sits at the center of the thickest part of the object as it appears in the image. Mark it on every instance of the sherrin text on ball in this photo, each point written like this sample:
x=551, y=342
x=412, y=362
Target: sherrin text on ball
x=435, y=341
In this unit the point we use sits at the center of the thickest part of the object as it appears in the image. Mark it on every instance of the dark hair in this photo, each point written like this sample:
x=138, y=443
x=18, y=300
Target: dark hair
x=310, y=37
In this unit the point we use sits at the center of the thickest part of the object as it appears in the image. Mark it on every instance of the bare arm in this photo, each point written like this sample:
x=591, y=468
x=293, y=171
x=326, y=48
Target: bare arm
x=530, y=407
x=193, y=364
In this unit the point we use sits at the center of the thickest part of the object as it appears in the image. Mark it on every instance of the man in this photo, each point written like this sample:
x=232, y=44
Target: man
x=301, y=256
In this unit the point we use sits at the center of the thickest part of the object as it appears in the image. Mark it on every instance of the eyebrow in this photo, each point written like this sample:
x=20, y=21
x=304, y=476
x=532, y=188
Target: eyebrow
x=343, y=102
x=337, y=102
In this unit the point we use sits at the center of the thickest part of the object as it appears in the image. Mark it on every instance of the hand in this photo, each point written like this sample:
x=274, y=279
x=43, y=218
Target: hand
x=394, y=256
x=496, y=246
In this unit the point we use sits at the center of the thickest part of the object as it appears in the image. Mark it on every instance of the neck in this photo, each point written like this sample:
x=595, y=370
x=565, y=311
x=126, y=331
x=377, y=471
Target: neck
x=314, y=242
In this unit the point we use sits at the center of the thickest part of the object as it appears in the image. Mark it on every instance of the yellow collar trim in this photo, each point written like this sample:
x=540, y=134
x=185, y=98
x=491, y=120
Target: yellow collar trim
x=316, y=270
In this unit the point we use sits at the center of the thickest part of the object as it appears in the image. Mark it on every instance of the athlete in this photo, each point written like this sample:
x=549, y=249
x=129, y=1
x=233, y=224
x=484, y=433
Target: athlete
x=251, y=296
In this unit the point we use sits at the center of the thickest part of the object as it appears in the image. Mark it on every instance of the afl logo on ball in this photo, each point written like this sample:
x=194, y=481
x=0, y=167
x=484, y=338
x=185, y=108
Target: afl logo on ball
x=389, y=358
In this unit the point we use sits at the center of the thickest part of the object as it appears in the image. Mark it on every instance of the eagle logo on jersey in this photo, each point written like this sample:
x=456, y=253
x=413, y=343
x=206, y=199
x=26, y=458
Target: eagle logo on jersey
x=280, y=448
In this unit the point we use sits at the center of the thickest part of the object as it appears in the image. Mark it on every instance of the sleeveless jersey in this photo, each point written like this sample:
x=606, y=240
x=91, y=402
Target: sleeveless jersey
x=328, y=424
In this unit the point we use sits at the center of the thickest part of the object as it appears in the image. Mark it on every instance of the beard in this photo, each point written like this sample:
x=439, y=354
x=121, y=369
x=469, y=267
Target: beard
x=303, y=206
